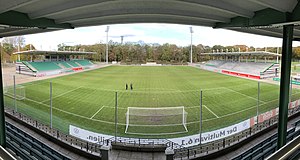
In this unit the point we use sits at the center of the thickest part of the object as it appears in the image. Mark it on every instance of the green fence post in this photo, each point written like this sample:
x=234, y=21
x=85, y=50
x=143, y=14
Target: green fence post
x=285, y=83
x=2, y=114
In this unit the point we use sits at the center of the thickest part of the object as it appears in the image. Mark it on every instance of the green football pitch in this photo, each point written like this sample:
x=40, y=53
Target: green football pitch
x=88, y=99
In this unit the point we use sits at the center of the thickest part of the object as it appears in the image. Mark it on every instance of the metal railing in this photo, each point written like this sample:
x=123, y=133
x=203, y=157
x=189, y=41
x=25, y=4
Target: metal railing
x=180, y=151
x=92, y=148
x=212, y=147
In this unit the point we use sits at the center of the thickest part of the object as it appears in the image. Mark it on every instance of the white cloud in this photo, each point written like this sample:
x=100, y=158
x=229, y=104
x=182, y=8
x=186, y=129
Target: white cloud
x=151, y=33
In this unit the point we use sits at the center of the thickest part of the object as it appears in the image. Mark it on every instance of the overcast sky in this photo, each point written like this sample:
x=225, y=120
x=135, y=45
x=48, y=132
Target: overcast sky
x=151, y=33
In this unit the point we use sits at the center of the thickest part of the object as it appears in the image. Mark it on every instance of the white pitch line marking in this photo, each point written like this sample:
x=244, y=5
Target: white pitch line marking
x=62, y=94
x=211, y=111
x=97, y=112
x=243, y=94
x=74, y=114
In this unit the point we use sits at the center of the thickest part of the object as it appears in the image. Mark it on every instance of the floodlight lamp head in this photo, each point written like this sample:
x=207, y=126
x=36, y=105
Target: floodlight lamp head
x=191, y=30
x=107, y=29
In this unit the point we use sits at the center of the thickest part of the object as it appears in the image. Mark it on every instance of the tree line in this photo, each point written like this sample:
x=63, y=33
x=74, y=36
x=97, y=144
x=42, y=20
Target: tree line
x=133, y=52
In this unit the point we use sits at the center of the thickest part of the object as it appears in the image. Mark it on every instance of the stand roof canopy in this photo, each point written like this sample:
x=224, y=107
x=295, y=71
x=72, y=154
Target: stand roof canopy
x=263, y=17
x=42, y=52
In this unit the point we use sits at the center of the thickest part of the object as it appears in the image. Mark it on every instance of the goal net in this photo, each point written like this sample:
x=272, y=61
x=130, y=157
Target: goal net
x=19, y=92
x=156, y=121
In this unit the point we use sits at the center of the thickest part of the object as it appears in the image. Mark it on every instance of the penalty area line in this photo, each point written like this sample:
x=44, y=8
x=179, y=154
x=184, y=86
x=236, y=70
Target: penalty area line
x=97, y=112
x=62, y=94
x=211, y=111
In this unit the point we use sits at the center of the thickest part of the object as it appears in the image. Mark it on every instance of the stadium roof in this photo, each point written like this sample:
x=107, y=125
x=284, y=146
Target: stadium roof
x=257, y=53
x=263, y=17
x=37, y=52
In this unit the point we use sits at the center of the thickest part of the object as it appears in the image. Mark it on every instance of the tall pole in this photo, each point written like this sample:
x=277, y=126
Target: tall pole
x=1, y=47
x=200, y=120
x=258, y=95
x=50, y=104
x=107, y=29
x=285, y=83
x=2, y=114
x=277, y=54
x=122, y=38
x=191, y=30
x=15, y=96
x=116, y=116
x=291, y=89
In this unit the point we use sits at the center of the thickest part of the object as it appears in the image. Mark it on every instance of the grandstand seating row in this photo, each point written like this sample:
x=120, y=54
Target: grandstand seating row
x=55, y=65
x=265, y=148
x=255, y=70
x=249, y=67
x=28, y=148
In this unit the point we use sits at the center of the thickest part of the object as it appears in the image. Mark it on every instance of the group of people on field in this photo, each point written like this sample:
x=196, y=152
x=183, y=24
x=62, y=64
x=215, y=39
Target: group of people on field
x=131, y=86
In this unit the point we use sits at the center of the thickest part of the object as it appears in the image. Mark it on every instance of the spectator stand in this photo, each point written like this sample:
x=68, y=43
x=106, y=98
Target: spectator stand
x=253, y=64
x=45, y=63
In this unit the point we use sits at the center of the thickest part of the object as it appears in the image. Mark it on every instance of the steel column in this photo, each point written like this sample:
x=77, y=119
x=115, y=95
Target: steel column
x=2, y=114
x=285, y=83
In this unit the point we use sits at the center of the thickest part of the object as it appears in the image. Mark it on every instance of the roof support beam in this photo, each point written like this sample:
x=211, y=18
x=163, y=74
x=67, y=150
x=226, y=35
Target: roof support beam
x=79, y=4
x=296, y=39
x=223, y=6
x=296, y=13
x=265, y=17
x=133, y=11
x=14, y=18
x=282, y=6
x=285, y=83
x=7, y=5
x=65, y=7
x=142, y=19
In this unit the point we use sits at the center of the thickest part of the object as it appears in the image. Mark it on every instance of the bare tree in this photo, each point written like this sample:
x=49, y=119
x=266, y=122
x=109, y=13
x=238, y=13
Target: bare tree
x=16, y=42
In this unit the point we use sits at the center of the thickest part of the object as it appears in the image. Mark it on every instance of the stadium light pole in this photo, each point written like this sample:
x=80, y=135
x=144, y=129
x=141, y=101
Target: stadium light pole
x=191, y=31
x=107, y=29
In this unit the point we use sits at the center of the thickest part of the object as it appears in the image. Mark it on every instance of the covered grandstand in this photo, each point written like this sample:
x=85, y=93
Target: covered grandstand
x=257, y=65
x=52, y=62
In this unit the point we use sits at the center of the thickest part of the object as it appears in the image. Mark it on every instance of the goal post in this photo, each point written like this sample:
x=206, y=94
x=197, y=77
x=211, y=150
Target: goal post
x=156, y=121
x=20, y=92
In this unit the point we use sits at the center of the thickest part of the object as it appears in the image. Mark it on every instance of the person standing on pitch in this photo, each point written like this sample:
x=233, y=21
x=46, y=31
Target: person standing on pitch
x=131, y=88
x=126, y=86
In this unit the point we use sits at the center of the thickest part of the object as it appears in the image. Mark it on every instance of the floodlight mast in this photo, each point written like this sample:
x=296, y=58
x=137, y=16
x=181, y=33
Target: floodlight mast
x=122, y=37
x=107, y=29
x=191, y=31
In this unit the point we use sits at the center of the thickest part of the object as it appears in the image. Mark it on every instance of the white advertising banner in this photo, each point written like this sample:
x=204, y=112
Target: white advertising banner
x=183, y=141
x=213, y=135
x=87, y=135
x=48, y=73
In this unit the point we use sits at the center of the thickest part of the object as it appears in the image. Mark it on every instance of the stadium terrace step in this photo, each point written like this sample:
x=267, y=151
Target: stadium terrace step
x=73, y=64
x=265, y=147
x=83, y=62
x=45, y=66
x=255, y=69
x=28, y=147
